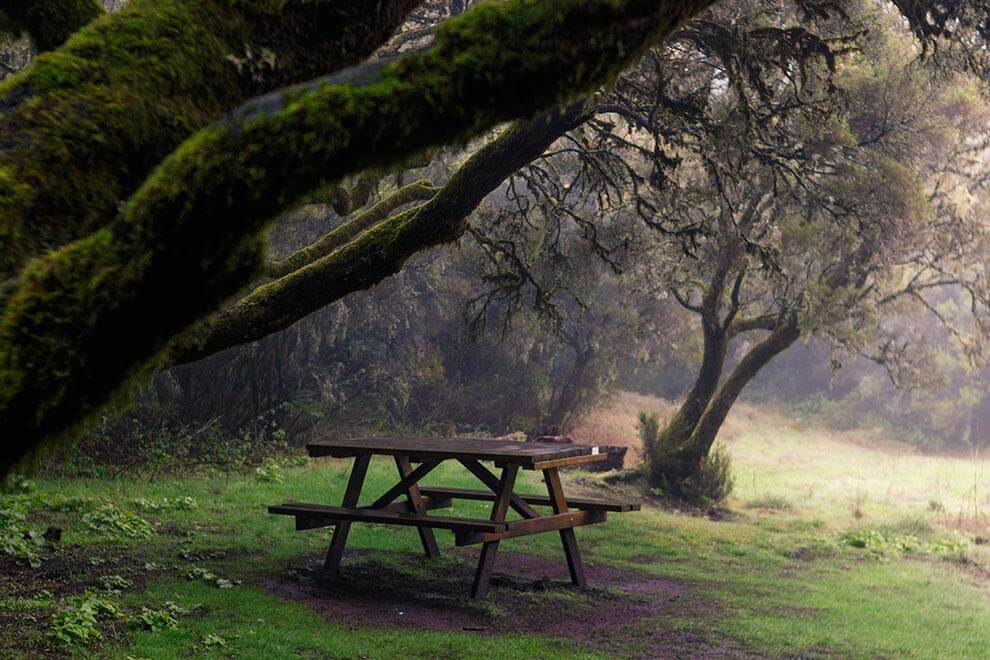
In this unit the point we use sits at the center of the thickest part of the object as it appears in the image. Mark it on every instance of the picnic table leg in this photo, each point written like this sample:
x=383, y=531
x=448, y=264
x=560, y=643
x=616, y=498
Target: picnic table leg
x=559, y=503
x=417, y=506
x=331, y=565
x=501, y=507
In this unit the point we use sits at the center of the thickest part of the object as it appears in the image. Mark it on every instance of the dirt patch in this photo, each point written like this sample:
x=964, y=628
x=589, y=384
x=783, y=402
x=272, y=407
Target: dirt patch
x=69, y=571
x=66, y=571
x=623, y=612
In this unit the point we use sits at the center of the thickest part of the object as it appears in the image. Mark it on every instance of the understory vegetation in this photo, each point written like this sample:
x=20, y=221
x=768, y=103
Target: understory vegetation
x=821, y=530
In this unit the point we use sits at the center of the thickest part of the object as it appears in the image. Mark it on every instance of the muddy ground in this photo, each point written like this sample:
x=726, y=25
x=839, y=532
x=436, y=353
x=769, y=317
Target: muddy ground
x=623, y=611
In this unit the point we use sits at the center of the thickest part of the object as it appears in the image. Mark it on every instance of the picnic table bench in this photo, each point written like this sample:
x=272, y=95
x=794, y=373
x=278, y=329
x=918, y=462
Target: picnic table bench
x=417, y=501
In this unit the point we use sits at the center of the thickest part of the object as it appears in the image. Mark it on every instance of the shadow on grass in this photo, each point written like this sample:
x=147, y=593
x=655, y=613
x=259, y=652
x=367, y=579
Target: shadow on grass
x=622, y=611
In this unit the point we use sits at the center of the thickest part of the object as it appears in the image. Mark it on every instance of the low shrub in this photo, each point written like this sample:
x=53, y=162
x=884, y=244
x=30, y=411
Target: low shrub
x=881, y=544
x=112, y=522
x=706, y=484
x=19, y=540
x=76, y=627
x=771, y=503
x=184, y=503
x=712, y=483
x=153, y=620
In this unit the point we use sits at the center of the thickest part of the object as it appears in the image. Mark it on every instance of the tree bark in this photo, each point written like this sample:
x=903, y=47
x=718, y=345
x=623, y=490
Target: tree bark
x=566, y=401
x=51, y=22
x=83, y=125
x=677, y=432
x=979, y=426
x=91, y=317
x=685, y=461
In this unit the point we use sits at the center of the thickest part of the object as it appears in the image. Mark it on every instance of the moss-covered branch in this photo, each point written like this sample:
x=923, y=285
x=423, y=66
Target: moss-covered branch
x=50, y=22
x=381, y=251
x=417, y=191
x=83, y=125
x=90, y=317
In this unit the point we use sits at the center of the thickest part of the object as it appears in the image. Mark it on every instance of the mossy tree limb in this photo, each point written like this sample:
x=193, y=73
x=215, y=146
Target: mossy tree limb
x=346, y=232
x=382, y=250
x=85, y=124
x=90, y=317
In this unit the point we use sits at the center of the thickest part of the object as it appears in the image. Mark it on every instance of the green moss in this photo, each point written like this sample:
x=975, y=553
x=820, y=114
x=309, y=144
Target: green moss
x=84, y=125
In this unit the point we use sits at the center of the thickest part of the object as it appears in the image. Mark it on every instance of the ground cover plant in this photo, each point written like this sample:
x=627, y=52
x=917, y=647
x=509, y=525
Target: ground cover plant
x=853, y=561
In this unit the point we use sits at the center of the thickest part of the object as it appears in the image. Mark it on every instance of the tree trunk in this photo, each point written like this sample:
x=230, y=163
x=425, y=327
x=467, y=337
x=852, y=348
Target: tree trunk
x=570, y=392
x=704, y=433
x=678, y=430
x=979, y=427
x=665, y=466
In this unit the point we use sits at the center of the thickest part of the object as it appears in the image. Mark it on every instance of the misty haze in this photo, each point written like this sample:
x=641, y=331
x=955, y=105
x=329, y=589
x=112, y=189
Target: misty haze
x=495, y=328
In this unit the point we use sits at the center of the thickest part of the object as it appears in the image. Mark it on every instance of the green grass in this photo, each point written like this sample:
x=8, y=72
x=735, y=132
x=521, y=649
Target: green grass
x=254, y=624
x=778, y=577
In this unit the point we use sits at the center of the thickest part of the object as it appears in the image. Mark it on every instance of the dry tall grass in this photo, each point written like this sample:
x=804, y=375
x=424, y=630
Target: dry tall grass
x=836, y=475
x=614, y=423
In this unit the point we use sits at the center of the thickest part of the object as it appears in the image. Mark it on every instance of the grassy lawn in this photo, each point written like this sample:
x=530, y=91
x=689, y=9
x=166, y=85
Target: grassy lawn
x=829, y=547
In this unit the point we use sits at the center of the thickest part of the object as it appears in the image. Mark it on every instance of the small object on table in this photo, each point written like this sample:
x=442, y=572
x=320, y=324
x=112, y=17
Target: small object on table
x=413, y=509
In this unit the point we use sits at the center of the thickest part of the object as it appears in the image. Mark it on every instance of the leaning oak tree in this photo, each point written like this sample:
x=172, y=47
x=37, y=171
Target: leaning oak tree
x=830, y=222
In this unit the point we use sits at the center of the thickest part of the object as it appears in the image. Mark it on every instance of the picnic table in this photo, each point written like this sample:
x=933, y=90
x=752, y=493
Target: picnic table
x=417, y=501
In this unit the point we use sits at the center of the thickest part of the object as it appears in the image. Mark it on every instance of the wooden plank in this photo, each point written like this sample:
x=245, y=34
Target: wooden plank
x=331, y=564
x=431, y=503
x=417, y=505
x=404, y=484
x=489, y=479
x=524, y=454
x=384, y=516
x=556, y=492
x=570, y=461
x=563, y=521
x=585, y=504
x=483, y=574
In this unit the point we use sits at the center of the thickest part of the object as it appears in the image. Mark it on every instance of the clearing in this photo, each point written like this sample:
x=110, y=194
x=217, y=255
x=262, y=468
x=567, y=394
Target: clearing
x=834, y=544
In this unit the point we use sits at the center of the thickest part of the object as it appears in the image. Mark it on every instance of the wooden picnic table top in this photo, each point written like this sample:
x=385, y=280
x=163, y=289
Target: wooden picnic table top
x=480, y=449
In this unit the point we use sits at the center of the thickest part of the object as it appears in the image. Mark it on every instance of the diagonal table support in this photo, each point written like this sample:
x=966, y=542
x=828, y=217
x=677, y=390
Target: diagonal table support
x=331, y=565
x=417, y=505
x=489, y=479
x=559, y=504
x=486, y=561
x=408, y=481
